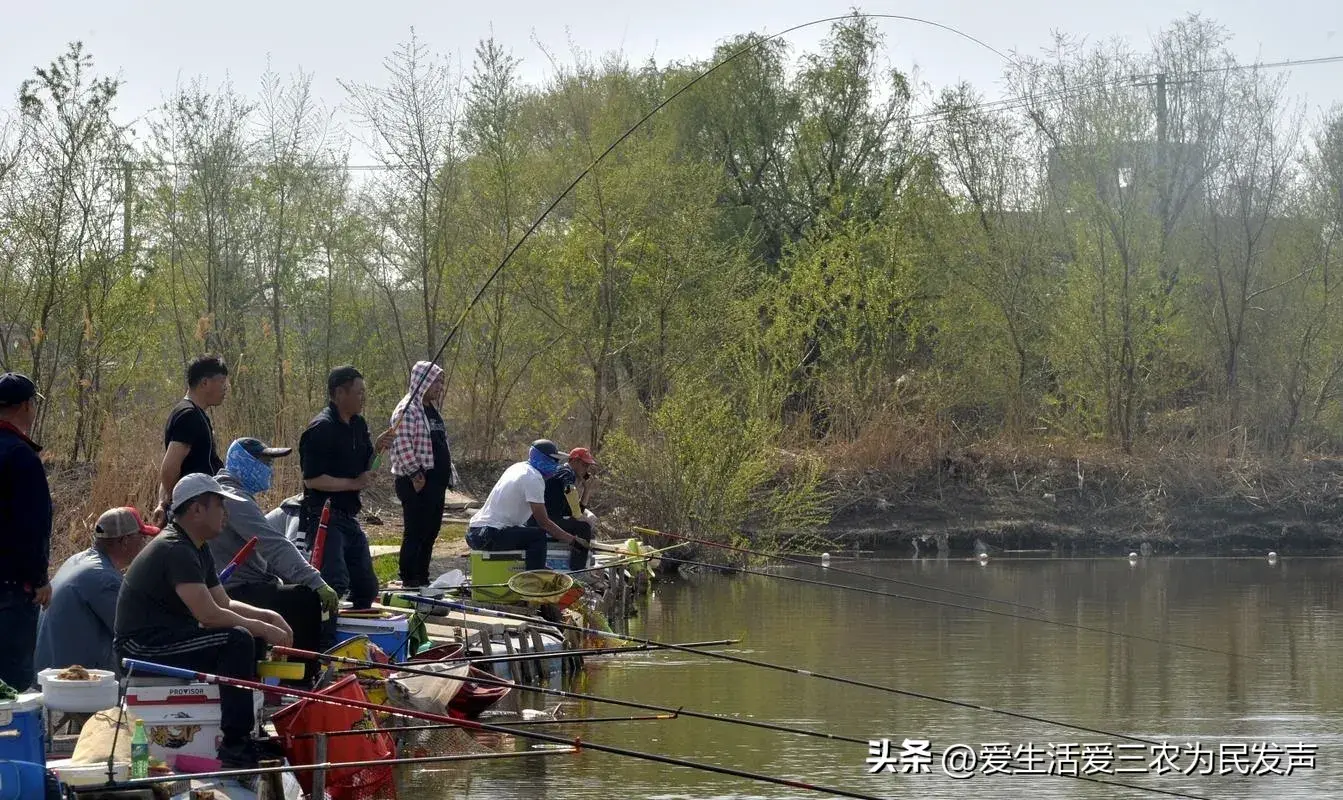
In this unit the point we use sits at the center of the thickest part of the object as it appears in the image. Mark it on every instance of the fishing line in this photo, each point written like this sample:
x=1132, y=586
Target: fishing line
x=961, y=606
x=452, y=332
x=859, y=573
x=671, y=713
x=574, y=742
x=806, y=673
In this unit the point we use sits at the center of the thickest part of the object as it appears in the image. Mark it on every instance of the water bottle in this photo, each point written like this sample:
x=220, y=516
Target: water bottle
x=140, y=751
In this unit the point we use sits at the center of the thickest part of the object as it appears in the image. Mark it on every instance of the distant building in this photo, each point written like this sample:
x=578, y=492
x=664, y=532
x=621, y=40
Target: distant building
x=1132, y=168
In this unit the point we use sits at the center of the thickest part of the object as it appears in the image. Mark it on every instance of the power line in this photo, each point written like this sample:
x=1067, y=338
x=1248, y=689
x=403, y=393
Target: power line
x=1001, y=105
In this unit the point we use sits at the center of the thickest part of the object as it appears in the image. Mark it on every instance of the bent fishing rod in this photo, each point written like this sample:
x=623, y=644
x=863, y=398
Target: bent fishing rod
x=806, y=673
x=946, y=604
x=733, y=56
x=841, y=570
x=131, y=664
x=669, y=713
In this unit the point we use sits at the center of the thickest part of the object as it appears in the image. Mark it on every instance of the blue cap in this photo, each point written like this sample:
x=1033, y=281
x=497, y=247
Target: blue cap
x=16, y=388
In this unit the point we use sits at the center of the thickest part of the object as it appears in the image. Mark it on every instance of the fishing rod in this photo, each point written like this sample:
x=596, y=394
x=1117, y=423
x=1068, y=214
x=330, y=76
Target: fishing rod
x=754, y=45
x=136, y=783
x=821, y=675
x=589, y=651
x=681, y=712
x=804, y=562
x=508, y=723
x=1008, y=614
x=495, y=681
x=131, y=664
x=604, y=548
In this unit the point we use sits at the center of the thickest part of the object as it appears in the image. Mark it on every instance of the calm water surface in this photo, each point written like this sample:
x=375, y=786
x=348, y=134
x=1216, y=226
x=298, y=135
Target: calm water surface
x=1287, y=691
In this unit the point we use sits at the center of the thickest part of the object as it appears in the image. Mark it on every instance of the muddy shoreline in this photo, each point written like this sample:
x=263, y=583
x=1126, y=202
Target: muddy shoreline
x=1173, y=506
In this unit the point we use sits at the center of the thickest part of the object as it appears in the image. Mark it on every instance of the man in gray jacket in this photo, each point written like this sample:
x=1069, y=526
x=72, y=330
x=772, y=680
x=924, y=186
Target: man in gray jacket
x=275, y=576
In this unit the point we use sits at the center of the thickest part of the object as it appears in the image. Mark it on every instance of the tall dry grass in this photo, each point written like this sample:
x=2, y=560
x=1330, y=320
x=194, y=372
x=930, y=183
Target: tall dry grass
x=126, y=473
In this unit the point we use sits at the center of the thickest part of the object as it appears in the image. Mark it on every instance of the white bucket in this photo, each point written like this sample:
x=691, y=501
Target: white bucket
x=72, y=774
x=78, y=697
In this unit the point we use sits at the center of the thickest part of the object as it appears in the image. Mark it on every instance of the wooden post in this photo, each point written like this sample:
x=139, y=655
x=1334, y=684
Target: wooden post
x=514, y=668
x=270, y=786
x=542, y=664
x=319, y=776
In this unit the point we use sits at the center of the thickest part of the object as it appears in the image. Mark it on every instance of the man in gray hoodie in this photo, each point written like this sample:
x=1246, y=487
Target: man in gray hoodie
x=275, y=576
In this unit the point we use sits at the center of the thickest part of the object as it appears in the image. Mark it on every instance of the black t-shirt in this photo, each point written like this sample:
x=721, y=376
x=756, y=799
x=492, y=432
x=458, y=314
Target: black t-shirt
x=441, y=474
x=189, y=424
x=148, y=602
x=339, y=449
x=557, y=505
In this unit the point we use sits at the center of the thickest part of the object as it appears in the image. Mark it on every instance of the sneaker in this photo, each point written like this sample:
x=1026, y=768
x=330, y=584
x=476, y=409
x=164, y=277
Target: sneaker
x=241, y=754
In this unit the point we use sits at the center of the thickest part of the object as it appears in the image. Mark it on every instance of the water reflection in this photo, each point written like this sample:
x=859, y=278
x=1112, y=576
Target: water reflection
x=1283, y=617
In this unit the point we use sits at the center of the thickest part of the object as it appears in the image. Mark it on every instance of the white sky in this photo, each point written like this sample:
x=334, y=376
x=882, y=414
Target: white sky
x=153, y=45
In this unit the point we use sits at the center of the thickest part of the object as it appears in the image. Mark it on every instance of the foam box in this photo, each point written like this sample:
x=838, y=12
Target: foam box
x=390, y=632
x=182, y=719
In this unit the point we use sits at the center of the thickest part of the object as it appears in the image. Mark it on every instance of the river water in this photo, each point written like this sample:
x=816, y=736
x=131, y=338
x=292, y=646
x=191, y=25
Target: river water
x=1278, y=703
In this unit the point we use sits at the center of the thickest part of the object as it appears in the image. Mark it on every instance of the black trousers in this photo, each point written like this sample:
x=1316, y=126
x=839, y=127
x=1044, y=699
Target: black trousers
x=347, y=565
x=422, y=515
x=300, y=607
x=578, y=554
x=231, y=652
x=18, y=619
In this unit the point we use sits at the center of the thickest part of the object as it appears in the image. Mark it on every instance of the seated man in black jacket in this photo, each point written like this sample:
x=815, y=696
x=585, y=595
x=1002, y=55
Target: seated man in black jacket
x=565, y=508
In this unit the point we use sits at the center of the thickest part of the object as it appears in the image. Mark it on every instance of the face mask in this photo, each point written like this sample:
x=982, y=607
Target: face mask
x=253, y=473
x=543, y=463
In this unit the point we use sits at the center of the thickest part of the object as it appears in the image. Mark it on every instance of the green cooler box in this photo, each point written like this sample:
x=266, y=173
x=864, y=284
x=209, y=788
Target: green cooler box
x=492, y=567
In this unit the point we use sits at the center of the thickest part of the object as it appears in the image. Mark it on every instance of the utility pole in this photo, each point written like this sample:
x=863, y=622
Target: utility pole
x=126, y=209
x=1162, y=82
x=1161, y=115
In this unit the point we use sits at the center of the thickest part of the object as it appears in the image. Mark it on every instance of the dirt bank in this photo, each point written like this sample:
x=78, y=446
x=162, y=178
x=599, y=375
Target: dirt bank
x=1172, y=504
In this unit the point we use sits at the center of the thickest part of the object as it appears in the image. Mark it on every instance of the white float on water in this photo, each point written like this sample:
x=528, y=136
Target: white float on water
x=1132, y=555
x=825, y=559
x=1272, y=556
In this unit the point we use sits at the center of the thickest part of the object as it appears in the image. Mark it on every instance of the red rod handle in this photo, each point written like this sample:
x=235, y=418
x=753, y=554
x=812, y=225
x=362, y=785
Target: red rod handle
x=319, y=545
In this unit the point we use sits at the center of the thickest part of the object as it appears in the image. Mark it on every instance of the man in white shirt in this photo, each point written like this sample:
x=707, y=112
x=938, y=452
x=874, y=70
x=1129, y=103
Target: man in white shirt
x=520, y=495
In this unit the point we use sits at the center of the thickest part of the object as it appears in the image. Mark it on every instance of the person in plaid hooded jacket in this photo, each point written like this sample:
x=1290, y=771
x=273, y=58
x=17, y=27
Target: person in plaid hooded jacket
x=422, y=463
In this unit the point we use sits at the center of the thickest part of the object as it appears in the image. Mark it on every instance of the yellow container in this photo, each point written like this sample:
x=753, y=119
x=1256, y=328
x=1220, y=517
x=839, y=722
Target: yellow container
x=495, y=567
x=374, y=681
x=281, y=670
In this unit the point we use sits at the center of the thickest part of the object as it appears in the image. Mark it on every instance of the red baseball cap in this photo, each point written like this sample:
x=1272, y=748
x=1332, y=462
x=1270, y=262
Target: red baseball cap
x=582, y=454
x=120, y=522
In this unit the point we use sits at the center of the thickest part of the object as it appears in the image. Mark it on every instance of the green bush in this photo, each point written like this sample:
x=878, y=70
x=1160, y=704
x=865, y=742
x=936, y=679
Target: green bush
x=705, y=466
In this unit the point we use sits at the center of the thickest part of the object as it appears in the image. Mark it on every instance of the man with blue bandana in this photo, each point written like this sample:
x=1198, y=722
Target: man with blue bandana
x=520, y=495
x=275, y=576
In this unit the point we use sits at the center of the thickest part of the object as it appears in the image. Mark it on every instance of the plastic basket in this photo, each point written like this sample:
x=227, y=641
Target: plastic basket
x=309, y=716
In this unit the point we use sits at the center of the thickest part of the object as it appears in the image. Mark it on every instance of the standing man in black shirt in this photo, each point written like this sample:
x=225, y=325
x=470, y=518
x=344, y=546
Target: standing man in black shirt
x=336, y=455
x=189, y=437
x=25, y=546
